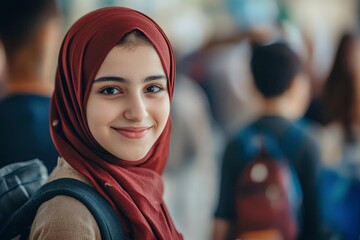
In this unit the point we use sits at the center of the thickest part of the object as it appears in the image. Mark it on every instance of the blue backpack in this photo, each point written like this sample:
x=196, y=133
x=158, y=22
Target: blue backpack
x=268, y=193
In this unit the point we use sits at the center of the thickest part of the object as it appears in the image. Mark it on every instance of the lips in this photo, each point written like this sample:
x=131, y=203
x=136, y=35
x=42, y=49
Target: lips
x=133, y=133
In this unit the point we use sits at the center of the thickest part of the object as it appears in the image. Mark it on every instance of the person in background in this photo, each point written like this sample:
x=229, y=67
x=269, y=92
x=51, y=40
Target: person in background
x=110, y=122
x=192, y=162
x=339, y=139
x=221, y=65
x=277, y=74
x=29, y=32
x=341, y=105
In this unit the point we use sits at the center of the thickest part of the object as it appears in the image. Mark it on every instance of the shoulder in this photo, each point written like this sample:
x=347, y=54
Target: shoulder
x=238, y=143
x=29, y=108
x=309, y=136
x=65, y=170
x=25, y=99
x=64, y=218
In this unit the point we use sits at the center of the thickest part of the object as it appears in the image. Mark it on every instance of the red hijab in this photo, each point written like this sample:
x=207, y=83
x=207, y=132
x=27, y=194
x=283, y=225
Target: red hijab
x=134, y=189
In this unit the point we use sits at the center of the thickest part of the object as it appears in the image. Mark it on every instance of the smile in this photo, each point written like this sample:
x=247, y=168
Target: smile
x=133, y=133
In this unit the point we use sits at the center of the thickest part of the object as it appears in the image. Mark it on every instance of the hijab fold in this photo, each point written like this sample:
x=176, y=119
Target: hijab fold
x=134, y=189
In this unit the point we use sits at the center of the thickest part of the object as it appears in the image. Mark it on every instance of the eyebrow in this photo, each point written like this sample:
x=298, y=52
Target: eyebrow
x=123, y=80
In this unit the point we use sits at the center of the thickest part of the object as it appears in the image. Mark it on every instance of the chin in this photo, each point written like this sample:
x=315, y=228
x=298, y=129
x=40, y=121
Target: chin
x=132, y=156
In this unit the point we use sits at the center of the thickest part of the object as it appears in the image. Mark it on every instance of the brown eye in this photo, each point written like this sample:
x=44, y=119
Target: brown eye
x=153, y=89
x=110, y=91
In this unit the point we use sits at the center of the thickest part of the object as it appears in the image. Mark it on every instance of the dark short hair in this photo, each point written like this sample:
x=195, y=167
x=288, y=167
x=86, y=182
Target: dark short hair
x=273, y=67
x=19, y=20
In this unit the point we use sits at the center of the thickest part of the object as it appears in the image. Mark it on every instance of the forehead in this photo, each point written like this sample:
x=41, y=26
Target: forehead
x=139, y=60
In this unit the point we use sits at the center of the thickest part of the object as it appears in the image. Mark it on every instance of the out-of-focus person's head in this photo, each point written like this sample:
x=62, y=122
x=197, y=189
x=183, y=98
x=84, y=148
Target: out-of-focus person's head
x=20, y=21
x=274, y=67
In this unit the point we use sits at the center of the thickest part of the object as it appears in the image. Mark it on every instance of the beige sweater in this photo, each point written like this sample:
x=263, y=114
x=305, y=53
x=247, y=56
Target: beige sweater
x=64, y=217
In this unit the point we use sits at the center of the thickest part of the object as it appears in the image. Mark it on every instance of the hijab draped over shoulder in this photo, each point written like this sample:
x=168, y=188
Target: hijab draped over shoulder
x=134, y=189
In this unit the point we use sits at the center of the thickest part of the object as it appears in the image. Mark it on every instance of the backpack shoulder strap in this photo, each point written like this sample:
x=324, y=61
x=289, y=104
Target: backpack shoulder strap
x=292, y=139
x=244, y=137
x=108, y=223
x=254, y=140
x=289, y=140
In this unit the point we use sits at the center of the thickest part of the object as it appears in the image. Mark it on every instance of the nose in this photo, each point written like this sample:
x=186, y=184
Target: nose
x=136, y=110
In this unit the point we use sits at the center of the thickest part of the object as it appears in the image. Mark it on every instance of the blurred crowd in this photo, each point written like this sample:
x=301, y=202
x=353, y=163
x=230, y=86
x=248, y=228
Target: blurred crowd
x=214, y=94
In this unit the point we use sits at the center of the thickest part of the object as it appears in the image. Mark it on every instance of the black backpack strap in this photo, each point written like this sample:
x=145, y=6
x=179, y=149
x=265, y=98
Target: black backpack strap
x=106, y=219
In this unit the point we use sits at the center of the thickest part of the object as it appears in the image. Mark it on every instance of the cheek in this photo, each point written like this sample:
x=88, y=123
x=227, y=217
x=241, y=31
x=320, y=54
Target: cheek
x=100, y=114
x=161, y=111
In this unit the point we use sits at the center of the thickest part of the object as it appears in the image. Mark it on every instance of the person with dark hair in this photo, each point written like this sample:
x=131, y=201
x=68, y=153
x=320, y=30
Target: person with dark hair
x=340, y=89
x=276, y=62
x=340, y=138
x=278, y=76
x=29, y=32
x=110, y=122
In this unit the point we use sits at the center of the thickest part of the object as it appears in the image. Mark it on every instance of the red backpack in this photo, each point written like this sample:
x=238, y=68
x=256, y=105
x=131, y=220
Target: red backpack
x=268, y=195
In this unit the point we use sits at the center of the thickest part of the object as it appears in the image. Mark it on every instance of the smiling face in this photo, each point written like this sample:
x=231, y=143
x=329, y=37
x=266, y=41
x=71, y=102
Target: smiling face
x=129, y=105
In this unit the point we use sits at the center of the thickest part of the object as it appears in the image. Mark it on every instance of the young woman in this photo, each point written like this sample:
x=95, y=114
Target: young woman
x=340, y=139
x=110, y=123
